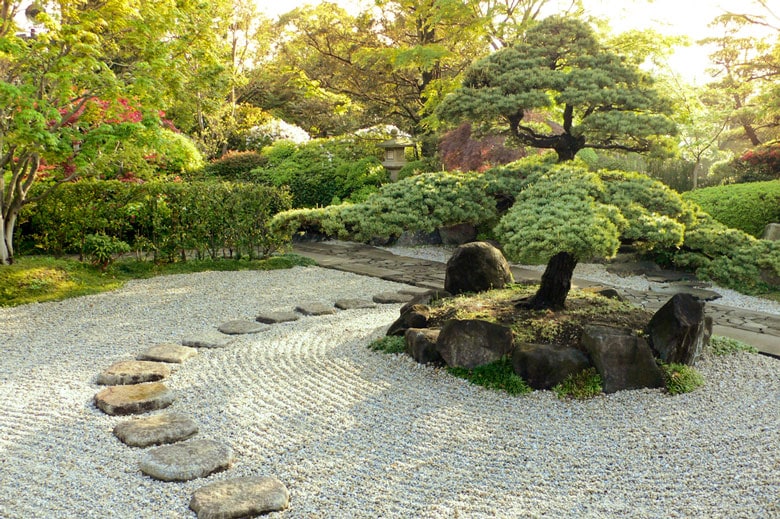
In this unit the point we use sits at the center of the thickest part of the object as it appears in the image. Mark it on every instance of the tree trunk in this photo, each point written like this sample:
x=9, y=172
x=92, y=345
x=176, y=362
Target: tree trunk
x=556, y=283
x=6, y=240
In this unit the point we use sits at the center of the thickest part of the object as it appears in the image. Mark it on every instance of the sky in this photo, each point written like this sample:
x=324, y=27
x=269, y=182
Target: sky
x=671, y=17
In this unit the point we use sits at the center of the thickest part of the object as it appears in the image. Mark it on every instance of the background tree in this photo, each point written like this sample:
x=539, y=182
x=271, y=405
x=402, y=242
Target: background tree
x=589, y=96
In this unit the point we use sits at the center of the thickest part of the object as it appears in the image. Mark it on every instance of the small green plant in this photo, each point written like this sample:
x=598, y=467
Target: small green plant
x=681, y=378
x=389, y=344
x=496, y=375
x=720, y=346
x=101, y=249
x=581, y=386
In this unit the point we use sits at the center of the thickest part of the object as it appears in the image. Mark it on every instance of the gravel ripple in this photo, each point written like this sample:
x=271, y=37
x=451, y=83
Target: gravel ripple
x=354, y=433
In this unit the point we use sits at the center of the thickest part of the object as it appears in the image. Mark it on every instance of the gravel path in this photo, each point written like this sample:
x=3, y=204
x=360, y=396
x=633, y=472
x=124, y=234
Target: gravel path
x=358, y=434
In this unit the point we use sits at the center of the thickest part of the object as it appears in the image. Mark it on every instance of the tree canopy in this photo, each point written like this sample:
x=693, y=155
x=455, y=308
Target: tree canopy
x=561, y=89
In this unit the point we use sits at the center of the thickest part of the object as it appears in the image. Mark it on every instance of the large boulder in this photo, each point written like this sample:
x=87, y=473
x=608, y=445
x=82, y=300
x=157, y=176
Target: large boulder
x=476, y=267
x=771, y=232
x=546, y=365
x=421, y=345
x=623, y=359
x=678, y=330
x=471, y=343
x=414, y=316
x=457, y=234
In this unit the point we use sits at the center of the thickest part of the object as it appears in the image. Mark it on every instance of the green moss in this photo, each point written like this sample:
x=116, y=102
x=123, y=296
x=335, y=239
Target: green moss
x=389, y=344
x=581, y=386
x=681, y=378
x=720, y=346
x=497, y=375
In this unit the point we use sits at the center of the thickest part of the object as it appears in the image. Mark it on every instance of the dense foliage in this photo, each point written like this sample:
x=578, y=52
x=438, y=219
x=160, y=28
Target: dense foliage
x=164, y=221
x=747, y=207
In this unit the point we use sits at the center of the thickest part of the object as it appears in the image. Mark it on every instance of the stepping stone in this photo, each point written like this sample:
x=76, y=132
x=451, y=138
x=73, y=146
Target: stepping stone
x=168, y=352
x=277, y=317
x=156, y=430
x=133, y=372
x=207, y=340
x=392, y=298
x=315, y=309
x=353, y=304
x=185, y=461
x=133, y=399
x=240, y=497
x=242, y=327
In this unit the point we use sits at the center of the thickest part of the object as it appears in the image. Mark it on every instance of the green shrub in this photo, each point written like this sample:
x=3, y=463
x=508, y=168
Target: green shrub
x=101, y=249
x=720, y=346
x=388, y=344
x=236, y=165
x=165, y=220
x=681, y=378
x=581, y=386
x=747, y=207
x=497, y=375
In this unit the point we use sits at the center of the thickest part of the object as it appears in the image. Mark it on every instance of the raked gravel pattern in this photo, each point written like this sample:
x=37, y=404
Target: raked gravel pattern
x=358, y=434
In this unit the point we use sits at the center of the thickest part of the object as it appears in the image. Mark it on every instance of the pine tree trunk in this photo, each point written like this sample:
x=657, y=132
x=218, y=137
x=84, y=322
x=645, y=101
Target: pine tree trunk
x=556, y=283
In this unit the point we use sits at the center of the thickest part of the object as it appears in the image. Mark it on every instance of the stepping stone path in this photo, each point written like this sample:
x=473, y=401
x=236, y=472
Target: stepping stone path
x=315, y=309
x=208, y=340
x=133, y=399
x=133, y=372
x=185, y=461
x=277, y=317
x=168, y=352
x=134, y=387
x=156, y=430
x=240, y=497
x=242, y=327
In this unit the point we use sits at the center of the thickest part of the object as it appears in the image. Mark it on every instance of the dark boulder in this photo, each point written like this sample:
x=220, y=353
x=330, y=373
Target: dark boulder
x=426, y=298
x=471, y=343
x=421, y=345
x=457, y=234
x=678, y=329
x=546, y=365
x=476, y=267
x=414, y=316
x=623, y=359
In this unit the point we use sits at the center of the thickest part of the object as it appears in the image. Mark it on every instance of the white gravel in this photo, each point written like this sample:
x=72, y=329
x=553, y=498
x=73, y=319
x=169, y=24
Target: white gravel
x=358, y=434
x=597, y=272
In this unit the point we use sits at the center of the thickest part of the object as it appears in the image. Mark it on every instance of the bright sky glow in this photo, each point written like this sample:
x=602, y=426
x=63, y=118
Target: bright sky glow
x=671, y=17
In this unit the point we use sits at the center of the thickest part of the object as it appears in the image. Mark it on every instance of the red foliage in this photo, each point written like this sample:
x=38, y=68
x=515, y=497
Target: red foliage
x=459, y=151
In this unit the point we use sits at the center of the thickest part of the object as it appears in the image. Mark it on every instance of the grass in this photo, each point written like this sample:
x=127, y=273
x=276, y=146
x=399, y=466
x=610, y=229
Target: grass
x=720, y=346
x=498, y=375
x=35, y=279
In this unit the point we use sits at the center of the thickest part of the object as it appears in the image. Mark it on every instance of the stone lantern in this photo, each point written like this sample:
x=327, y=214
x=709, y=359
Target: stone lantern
x=395, y=157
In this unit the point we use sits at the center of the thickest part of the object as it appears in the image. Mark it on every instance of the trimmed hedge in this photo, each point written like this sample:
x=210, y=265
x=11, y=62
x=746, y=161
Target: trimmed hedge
x=747, y=207
x=164, y=220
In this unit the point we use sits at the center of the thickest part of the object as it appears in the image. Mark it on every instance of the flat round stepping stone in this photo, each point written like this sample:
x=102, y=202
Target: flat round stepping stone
x=207, y=340
x=315, y=309
x=168, y=352
x=133, y=372
x=135, y=398
x=242, y=327
x=156, y=430
x=277, y=317
x=354, y=304
x=240, y=497
x=386, y=298
x=185, y=461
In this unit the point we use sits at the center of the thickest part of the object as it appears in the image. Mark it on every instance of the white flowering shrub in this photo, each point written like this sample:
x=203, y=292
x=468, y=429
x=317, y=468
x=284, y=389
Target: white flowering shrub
x=274, y=130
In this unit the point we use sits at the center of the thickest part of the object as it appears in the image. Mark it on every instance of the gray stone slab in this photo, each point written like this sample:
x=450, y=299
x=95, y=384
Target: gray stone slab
x=240, y=497
x=699, y=293
x=133, y=372
x=168, y=352
x=133, y=399
x=156, y=430
x=187, y=460
x=354, y=304
x=315, y=309
x=392, y=298
x=239, y=327
x=208, y=340
x=277, y=317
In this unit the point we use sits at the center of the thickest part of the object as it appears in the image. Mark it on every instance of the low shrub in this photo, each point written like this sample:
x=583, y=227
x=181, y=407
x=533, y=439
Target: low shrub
x=497, y=375
x=581, y=386
x=681, y=378
x=235, y=165
x=747, y=207
x=388, y=344
x=101, y=249
x=721, y=346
